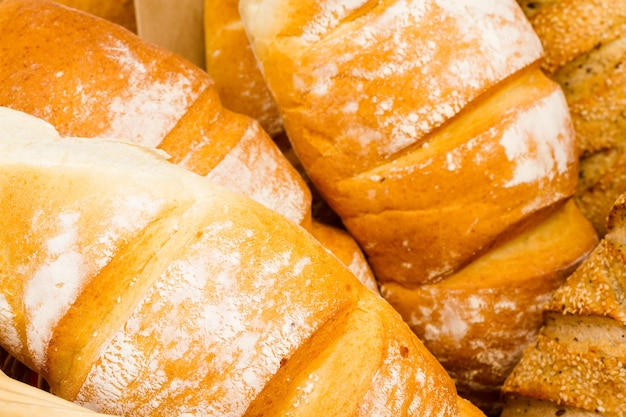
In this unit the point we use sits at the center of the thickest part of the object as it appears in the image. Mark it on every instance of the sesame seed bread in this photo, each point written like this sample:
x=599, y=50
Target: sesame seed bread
x=585, y=44
x=430, y=129
x=139, y=288
x=577, y=362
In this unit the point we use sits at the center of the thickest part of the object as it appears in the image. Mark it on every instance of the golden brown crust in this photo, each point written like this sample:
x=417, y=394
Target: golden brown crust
x=596, y=287
x=422, y=223
x=139, y=93
x=577, y=373
x=435, y=149
x=569, y=28
x=527, y=407
x=602, y=180
x=233, y=66
x=455, y=314
x=209, y=141
x=91, y=78
x=342, y=245
x=592, y=83
x=188, y=297
x=374, y=120
x=232, y=150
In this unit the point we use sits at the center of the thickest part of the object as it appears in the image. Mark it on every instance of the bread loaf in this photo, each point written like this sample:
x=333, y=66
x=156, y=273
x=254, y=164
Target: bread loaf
x=240, y=84
x=163, y=293
x=231, y=63
x=576, y=366
x=139, y=93
x=430, y=129
x=91, y=78
x=585, y=44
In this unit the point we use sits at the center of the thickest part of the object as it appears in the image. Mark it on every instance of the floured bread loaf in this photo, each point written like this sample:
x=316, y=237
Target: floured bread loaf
x=585, y=44
x=164, y=293
x=91, y=78
x=139, y=93
x=576, y=367
x=430, y=129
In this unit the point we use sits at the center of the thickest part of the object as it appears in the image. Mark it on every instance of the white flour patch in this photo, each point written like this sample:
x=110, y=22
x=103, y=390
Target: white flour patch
x=10, y=336
x=54, y=286
x=252, y=168
x=147, y=109
x=539, y=142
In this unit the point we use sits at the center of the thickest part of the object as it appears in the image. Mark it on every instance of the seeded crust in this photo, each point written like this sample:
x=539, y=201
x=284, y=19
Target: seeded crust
x=578, y=361
x=602, y=178
x=535, y=408
x=570, y=28
x=585, y=45
x=594, y=85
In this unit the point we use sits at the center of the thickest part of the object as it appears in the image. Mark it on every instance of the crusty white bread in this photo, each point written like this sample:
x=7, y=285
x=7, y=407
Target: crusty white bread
x=585, y=44
x=430, y=129
x=139, y=288
x=91, y=78
x=480, y=319
x=140, y=92
x=576, y=365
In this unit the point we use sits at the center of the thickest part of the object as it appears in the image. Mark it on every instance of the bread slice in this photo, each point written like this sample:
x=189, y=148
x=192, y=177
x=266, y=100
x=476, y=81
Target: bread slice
x=578, y=359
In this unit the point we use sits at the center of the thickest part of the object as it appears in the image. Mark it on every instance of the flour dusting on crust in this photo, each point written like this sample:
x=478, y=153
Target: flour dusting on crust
x=253, y=167
x=201, y=311
x=54, y=286
x=439, y=76
x=147, y=109
x=539, y=144
x=10, y=337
